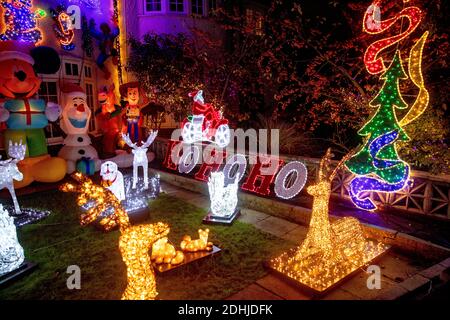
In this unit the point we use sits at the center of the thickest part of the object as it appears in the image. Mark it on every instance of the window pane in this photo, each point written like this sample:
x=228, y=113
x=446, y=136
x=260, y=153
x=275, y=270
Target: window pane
x=153, y=5
x=197, y=7
x=68, y=68
x=74, y=69
x=43, y=89
x=51, y=86
x=176, y=5
x=87, y=72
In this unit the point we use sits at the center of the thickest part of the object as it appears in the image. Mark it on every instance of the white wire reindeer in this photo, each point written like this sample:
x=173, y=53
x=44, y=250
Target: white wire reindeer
x=10, y=172
x=140, y=156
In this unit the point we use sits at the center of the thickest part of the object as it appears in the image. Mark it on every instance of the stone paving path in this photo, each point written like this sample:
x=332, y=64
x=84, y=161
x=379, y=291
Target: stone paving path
x=395, y=267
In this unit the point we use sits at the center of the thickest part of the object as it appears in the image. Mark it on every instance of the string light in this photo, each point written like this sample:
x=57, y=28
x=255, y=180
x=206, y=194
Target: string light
x=238, y=160
x=331, y=251
x=415, y=73
x=134, y=242
x=301, y=175
x=205, y=124
x=140, y=158
x=119, y=41
x=361, y=184
x=21, y=21
x=377, y=164
x=10, y=172
x=371, y=25
x=200, y=244
x=63, y=28
x=378, y=128
x=164, y=252
x=27, y=215
x=189, y=158
x=11, y=252
x=102, y=198
x=223, y=198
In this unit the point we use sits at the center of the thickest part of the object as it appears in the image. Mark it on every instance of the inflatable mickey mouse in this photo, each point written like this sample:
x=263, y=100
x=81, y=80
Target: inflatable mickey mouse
x=24, y=116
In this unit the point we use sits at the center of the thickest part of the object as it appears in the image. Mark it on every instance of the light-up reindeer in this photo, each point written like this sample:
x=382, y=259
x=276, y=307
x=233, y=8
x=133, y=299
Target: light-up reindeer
x=135, y=241
x=223, y=198
x=140, y=156
x=325, y=238
x=10, y=172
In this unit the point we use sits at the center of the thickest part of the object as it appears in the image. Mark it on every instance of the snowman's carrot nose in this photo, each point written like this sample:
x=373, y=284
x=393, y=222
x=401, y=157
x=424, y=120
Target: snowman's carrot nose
x=80, y=108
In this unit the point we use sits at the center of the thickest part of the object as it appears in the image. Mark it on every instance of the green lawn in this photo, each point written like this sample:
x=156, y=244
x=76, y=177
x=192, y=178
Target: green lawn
x=59, y=241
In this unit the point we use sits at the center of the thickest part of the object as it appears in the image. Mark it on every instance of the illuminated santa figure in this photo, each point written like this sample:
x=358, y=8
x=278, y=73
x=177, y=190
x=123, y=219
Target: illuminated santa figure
x=205, y=124
x=78, y=151
x=11, y=253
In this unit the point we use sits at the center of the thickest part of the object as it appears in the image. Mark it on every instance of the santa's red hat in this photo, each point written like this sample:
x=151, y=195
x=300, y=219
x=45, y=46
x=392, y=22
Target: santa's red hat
x=72, y=90
x=19, y=50
x=194, y=93
x=197, y=95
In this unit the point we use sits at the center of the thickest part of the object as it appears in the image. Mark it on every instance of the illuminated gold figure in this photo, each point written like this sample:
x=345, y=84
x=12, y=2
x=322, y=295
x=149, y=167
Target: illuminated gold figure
x=331, y=251
x=135, y=242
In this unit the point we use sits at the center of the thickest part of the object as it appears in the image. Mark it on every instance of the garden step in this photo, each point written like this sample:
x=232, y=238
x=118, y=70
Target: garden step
x=281, y=288
x=254, y=292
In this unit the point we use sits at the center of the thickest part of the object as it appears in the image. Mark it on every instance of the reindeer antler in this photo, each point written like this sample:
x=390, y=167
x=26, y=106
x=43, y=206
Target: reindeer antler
x=128, y=141
x=150, y=139
x=17, y=151
x=340, y=163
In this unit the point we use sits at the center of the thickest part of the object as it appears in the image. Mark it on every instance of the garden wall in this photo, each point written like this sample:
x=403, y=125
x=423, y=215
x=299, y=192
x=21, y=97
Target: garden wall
x=427, y=194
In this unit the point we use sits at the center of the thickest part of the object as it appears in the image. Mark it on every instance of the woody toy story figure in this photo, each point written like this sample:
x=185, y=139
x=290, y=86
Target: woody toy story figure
x=132, y=117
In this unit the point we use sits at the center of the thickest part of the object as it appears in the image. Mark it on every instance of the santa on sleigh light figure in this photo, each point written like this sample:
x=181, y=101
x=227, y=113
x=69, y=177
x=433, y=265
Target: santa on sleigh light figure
x=205, y=124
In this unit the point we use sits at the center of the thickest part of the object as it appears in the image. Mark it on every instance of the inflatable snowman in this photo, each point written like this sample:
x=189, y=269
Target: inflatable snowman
x=77, y=150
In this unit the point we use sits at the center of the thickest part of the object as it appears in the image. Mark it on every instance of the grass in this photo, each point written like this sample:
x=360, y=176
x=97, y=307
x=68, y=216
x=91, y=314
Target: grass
x=59, y=241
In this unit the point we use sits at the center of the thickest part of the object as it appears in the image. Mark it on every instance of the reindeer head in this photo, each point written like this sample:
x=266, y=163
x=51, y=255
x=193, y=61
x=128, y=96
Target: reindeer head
x=140, y=151
x=325, y=176
x=10, y=171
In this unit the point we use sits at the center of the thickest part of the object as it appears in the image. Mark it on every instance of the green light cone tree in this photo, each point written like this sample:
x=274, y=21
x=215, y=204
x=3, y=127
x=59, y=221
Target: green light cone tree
x=383, y=121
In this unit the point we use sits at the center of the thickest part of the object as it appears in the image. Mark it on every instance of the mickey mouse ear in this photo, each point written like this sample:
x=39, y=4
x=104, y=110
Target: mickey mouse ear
x=46, y=59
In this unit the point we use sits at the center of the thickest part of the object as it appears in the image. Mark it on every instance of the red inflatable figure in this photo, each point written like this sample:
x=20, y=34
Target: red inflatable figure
x=109, y=121
x=205, y=124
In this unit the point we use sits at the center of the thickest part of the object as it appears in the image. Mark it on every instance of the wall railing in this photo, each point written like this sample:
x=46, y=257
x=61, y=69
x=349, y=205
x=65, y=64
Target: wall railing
x=426, y=193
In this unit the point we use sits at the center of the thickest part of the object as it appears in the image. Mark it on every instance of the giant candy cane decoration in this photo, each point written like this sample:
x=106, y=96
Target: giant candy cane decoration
x=372, y=25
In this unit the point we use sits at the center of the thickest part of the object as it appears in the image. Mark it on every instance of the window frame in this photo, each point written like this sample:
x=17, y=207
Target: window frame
x=52, y=139
x=72, y=63
x=92, y=104
x=161, y=5
x=183, y=3
x=202, y=6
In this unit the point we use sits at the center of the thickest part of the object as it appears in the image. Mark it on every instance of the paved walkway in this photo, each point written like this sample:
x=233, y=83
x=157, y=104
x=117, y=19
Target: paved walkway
x=395, y=267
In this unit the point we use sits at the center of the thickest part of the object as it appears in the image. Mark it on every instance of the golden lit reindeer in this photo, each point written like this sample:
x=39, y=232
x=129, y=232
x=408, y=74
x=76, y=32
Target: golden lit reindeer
x=330, y=251
x=135, y=242
x=323, y=238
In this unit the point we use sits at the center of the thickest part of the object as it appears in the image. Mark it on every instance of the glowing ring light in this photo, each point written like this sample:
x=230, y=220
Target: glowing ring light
x=280, y=181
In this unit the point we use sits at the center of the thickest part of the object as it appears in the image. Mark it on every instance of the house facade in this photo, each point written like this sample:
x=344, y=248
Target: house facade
x=135, y=18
